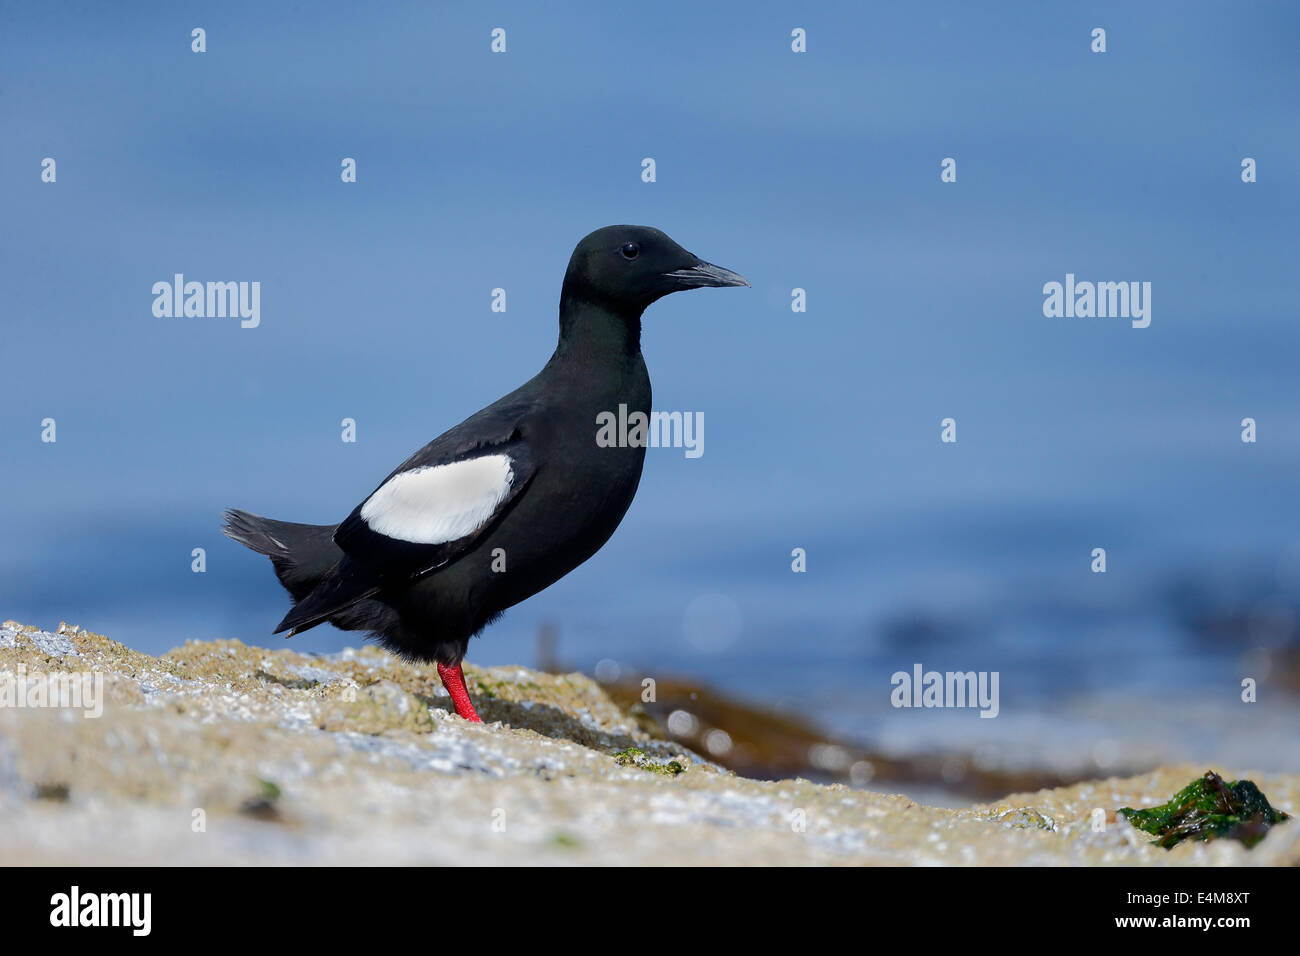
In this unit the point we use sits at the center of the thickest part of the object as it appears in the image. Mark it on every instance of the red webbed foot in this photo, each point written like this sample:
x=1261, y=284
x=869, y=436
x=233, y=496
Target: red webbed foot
x=453, y=678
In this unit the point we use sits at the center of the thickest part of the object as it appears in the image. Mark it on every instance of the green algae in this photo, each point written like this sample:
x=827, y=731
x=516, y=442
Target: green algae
x=1208, y=809
x=266, y=804
x=636, y=757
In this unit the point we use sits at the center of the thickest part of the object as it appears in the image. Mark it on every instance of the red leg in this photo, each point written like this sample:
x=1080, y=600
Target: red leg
x=453, y=678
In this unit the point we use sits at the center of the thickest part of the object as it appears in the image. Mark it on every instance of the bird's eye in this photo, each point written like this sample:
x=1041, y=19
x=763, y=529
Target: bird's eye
x=631, y=250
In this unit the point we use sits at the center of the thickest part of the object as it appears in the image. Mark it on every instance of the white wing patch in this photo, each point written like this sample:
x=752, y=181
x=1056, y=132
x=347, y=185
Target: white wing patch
x=438, y=503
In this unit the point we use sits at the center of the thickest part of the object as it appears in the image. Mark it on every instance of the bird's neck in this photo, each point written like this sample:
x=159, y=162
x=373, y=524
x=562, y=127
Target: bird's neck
x=592, y=333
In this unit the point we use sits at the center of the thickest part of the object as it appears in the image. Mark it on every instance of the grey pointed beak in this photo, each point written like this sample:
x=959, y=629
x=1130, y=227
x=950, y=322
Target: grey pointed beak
x=704, y=274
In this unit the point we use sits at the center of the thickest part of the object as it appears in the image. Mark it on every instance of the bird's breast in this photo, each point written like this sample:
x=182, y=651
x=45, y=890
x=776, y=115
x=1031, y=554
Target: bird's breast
x=590, y=456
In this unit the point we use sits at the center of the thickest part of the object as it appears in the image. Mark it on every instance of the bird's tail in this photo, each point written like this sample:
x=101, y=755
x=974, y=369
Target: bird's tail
x=302, y=554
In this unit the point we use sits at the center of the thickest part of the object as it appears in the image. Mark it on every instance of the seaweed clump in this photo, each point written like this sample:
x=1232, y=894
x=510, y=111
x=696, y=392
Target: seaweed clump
x=1208, y=809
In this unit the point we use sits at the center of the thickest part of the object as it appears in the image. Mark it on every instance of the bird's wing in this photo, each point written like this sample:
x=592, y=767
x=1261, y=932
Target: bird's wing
x=429, y=512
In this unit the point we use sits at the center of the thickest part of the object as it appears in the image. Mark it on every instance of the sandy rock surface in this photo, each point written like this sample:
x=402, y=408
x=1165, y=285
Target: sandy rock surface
x=221, y=753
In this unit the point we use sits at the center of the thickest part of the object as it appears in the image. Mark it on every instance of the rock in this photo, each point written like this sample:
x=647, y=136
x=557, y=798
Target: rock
x=220, y=753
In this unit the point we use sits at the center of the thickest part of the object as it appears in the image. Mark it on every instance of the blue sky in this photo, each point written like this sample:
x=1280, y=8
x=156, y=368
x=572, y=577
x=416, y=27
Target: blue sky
x=816, y=170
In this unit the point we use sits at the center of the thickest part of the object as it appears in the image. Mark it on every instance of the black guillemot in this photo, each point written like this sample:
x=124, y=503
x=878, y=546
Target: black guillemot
x=511, y=499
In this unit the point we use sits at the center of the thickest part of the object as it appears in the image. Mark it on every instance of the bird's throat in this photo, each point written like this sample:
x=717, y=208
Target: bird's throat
x=597, y=333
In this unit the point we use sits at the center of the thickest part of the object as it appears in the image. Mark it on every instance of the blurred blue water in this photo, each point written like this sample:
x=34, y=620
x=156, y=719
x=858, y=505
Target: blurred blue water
x=818, y=171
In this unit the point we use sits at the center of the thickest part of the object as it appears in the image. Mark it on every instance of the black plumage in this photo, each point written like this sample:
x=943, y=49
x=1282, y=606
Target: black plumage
x=522, y=483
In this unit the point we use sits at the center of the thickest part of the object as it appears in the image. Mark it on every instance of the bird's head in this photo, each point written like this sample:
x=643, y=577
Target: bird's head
x=629, y=267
